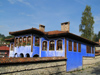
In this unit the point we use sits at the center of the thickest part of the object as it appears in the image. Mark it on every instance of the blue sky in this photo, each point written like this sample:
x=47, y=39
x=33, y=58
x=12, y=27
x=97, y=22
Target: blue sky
x=23, y=14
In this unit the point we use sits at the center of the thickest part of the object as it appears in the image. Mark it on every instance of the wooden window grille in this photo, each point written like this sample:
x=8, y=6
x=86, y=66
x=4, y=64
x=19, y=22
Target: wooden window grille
x=51, y=45
x=29, y=40
x=16, y=42
x=44, y=45
x=70, y=45
x=24, y=41
x=37, y=41
x=88, y=49
x=75, y=46
x=20, y=41
x=79, y=47
x=59, y=44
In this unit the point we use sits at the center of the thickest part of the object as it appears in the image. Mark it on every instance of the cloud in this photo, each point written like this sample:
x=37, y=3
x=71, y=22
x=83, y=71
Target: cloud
x=83, y=2
x=12, y=1
x=21, y=1
x=31, y=15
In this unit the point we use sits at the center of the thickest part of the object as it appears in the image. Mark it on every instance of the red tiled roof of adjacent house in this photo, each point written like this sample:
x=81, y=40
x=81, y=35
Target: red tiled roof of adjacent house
x=4, y=48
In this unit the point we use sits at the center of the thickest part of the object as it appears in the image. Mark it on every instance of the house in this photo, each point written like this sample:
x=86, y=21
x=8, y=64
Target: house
x=38, y=43
x=4, y=51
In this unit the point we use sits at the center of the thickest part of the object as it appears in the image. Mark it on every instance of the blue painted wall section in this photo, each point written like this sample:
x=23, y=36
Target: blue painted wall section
x=55, y=52
x=74, y=59
x=22, y=49
x=35, y=48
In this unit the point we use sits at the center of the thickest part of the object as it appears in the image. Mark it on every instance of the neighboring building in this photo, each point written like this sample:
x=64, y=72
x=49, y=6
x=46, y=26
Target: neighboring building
x=97, y=47
x=4, y=51
x=38, y=43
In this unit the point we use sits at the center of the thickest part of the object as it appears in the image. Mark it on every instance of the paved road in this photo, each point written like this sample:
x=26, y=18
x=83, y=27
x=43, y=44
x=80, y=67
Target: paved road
x=94, y=70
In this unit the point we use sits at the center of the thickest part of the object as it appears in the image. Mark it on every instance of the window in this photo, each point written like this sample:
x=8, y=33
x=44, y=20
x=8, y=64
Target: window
x=44, y=45
x=24, y=41
x=79, y=47
x=59, y=44
x=92, y=50
x=75, y=46
x=11, y=46
x=70, y=45
x=37, y=39
x=16, y=42
x=51, y=45
x=29, y=40
x=20, y=41
x=88, y=49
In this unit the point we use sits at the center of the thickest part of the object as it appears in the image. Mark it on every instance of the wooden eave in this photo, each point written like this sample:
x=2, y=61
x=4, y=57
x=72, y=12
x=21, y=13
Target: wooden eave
x=53, y=34
x=27, y=31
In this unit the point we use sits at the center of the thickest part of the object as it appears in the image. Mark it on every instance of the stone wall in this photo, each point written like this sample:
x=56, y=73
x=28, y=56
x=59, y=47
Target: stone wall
x=97, y=48
x=89, y=61
x=36, y=68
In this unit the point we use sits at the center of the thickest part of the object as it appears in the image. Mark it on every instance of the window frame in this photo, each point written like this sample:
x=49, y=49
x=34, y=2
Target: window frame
x=75, y=46
x=54, y=45
x=88, y=49
x=20, y=42
x=16, y=41
x=39, y=41
x=25, y=41
x=28, y=41
x=42, y=45
x=79, y=47
x=69, y=45
x=57, y=45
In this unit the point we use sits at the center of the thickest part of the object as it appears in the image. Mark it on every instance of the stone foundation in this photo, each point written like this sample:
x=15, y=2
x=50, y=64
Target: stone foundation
x=90, y=61
x=36, y=68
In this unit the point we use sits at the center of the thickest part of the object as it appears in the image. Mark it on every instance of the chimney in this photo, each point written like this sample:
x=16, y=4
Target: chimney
x=41, y=27
x=65, y=26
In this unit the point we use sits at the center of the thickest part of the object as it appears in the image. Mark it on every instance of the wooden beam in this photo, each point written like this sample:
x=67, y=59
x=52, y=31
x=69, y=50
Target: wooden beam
x=32, y=43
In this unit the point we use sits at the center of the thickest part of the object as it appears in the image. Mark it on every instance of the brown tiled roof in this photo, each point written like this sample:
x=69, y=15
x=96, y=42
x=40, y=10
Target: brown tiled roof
x=27, y=31
x=56, y=32
x=53, y=34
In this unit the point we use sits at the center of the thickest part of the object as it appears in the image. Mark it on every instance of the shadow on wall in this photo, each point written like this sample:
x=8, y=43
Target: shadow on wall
x=27, y=55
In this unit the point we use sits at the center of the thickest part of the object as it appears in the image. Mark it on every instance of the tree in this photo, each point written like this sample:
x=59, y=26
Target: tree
x=86, y=26
x=95, y=38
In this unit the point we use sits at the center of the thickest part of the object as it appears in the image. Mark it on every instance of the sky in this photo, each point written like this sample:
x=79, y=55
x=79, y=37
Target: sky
x=24, y=14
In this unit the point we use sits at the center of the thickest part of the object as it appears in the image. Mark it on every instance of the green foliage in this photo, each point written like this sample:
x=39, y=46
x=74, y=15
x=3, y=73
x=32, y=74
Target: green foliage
x=86, y=26
x=96, y=37
x=3, y=37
